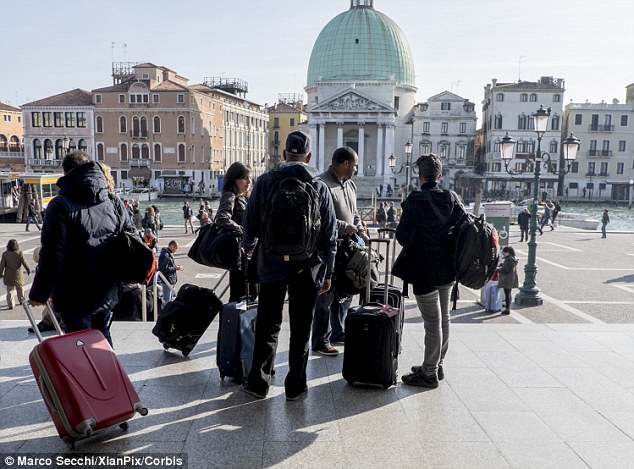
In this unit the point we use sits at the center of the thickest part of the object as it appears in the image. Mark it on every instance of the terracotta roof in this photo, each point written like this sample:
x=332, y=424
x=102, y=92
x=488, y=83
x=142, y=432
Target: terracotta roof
x=170, y=86
x=76, y=97
x=6, y=107
x=282, y=108
x=118, y=87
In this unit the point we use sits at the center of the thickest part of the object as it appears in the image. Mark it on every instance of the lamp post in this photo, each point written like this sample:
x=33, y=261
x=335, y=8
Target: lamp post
x=65, y=144
x=629, y=205
x=391, y=161
x=529, y=292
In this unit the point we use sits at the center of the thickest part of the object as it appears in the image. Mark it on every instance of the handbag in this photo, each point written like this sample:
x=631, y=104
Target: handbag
x=133, y=261
x=217, y=247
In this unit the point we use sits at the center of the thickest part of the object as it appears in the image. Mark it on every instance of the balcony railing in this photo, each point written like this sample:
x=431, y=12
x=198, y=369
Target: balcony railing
x=604, y=174
x=41, y=163
x=601, y=128
x=11, y=154
x=139, y=163
x=591, y=174
x=599, y=152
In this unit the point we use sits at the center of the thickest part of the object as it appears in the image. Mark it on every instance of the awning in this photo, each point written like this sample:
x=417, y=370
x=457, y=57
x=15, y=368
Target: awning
x=139, y=173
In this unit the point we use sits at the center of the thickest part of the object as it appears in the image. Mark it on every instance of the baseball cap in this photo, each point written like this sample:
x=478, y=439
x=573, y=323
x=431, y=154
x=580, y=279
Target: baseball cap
x=298, y=143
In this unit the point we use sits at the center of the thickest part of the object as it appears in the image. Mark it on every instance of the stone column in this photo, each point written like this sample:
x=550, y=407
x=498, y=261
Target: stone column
x=380, y=128
x=339, y=134
x=361, y=148
x=312, y=130
x=389, y=147
x=322, y=143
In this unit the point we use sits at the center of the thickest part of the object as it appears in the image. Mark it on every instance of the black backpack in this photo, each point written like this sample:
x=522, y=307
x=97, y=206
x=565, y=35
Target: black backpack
x=292, y=223
x=476, y=252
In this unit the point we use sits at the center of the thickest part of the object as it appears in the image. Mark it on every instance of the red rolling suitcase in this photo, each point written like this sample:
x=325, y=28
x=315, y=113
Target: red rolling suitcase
x=82, y=383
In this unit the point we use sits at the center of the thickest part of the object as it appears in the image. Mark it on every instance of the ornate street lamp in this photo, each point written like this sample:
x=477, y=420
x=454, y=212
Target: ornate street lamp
x=65, y=144
x=529, y=292
x=391, y=161
x=629, y=205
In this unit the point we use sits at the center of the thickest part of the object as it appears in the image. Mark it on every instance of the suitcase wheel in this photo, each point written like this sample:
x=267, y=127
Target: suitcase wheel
x=166, y=347
x=185, y=352
x=124, y=426
x=70, y=444
x=143, y=411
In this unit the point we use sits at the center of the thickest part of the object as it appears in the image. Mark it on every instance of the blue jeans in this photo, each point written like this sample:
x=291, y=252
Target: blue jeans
x=434, y=309
x=100, y=320
x=338, y=312
x=168, y=293
x=603, y=226
x=330, y=314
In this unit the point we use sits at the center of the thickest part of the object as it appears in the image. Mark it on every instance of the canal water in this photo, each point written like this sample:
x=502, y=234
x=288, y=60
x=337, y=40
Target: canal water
x=621, y=219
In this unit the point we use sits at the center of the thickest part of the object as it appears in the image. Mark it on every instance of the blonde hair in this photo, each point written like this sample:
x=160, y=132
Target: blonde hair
x=105, y=169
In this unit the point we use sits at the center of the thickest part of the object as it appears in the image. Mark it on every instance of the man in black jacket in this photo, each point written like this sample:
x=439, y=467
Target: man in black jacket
x=523, y=220
x=426, y=262
x=72, y=268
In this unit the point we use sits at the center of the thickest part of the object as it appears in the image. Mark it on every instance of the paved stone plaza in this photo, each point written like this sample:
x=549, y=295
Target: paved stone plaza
x=546, y=387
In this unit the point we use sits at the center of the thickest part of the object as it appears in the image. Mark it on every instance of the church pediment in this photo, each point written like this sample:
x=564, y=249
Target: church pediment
x=351, y=101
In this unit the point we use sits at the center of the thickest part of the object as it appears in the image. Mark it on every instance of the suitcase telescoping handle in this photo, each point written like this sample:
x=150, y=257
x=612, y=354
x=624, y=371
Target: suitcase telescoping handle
x=29, y=314
x=383, y=232
x=368, y=278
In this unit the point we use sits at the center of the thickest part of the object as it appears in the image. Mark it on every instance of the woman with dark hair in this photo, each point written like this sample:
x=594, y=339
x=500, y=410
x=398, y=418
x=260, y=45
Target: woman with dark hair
x=508, y=275
x=11, y=271
x=233, y=203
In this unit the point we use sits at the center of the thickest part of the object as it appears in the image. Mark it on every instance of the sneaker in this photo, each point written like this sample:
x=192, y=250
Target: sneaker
x=251, y=392
x=42, y=327
x=328, y=351
x=506, y=311
x=298, y=396
x=419, y=379
x=441, y=372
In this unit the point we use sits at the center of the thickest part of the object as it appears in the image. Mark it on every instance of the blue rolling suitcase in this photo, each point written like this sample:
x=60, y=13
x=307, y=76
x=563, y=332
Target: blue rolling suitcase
x=492, y=297
x=236, y=338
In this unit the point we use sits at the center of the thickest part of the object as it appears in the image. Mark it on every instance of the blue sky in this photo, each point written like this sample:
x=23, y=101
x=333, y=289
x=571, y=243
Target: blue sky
x=51, y=46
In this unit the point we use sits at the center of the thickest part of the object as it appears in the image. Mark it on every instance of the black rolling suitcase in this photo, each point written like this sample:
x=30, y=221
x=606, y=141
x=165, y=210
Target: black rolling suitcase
x=372, y=341
x=182, y=322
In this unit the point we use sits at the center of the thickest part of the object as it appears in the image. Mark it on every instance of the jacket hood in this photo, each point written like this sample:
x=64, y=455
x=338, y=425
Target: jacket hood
x=299, y=170
x=85, y=184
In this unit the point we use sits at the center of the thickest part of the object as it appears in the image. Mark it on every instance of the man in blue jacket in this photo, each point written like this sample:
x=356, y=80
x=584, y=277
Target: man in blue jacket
x=302, y=280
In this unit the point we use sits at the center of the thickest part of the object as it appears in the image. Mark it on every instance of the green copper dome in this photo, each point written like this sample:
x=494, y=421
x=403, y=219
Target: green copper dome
x=361, y=44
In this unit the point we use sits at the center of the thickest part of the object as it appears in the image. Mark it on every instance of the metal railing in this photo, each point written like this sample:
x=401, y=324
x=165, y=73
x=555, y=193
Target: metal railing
x=164, y=284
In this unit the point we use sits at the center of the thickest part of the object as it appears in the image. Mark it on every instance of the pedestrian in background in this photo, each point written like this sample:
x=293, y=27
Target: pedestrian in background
x=605, y=219
x=231, y=208
x=523, y=220
x=187, y=216
x=168, y=267
x=32, y=217
x=11, y=271
x=507, y=276
x=429, y=214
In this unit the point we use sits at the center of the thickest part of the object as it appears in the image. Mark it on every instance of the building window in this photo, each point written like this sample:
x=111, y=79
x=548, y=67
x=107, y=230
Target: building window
x=36, y=119
x=181, y=125
x=621, y=145
x=122, y=99
x=426, y=126
x=604, y=168
x=591, y=166
x=47, y=119
x=593, y=146
x=136, y=151
x=444, y=150
x=499, y=97
x=180, y=98
x=553, y=146
x=496, y=167
x=123, y=152
x=70, y=119
x=533, y=98
x=292, y=122
x=524, y=97
x=100, y=153
x=498, y=122
x=624, y=120
x=520, y=147
x=522, y=122
x=276, y=137
x=276, y=122
x=463, y=127
x=397, y=101
x=608, y=120
x=554, y=123
x=181, y=153
x=37, y=149
x=425, y=148
x=605, y=147
x=81, y=119
x=619, y=168
x=575, y=167
x=99, y=124
x=578, y=119
x=143, y=126
x=145, y=151
x=157, y=125
x=445, y=106
x=193, y=125
x=556, y=98
x=58, y=119
x=444, y=128
x=461, y=152
x=158, y=156
x=156, y=98
x=136, y=126
x=97, y=99
x=123, y=125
